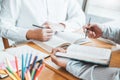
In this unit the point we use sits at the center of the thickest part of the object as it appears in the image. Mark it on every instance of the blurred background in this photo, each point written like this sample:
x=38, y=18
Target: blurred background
x=101, y=11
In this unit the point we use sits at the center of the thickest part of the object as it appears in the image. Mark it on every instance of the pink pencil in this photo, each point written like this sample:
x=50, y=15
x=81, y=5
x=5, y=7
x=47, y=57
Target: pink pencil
x=16, y=62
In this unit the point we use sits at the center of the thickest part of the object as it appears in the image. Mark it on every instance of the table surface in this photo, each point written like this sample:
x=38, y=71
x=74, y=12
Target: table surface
x=54, y=72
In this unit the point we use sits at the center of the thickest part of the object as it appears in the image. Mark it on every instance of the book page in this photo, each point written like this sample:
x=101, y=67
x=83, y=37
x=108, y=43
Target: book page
x=73, y=37
x=92, y=52
x=18, y=51
x=62, y=39
x=52, y=43
x=87, y=53
x=69, y=36
x=11, y=58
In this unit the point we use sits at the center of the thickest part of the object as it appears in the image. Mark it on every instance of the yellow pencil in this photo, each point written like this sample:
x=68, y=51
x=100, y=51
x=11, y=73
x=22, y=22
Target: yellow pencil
x=13, y=77
x=13, y=73
x=16, y=75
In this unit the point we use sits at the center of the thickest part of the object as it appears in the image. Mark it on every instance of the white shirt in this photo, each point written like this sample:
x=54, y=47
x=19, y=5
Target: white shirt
x=17, y=16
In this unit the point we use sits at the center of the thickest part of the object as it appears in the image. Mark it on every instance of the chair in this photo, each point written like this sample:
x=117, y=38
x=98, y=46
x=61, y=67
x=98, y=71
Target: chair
x=5, y=43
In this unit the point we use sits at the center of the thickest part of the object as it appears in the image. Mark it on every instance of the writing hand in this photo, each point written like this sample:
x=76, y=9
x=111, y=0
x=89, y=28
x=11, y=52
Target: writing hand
x=94, y=30
x=40, y=34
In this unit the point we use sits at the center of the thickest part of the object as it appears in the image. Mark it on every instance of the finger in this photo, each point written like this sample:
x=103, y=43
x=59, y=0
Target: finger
x=47, y=25
x=90, y=34
x=54, y=50
x=54, y=59
x=84, y=27
x=48, y=30
x=45, y=34
x=49, y=34
x=93, y=35
x=61, y=50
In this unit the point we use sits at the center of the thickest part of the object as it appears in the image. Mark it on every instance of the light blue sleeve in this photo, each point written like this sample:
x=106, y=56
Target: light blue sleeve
x=86, y=71
x=76, y=68
x=112, y=32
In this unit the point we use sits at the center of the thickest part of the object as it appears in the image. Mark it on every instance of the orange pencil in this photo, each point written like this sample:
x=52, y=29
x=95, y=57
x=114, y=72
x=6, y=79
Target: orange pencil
x=39, y=70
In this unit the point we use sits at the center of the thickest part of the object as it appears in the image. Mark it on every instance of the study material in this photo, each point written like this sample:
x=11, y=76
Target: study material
x=25, y=72
x=62, y=39
x=34, y=69
x=87, y=54
x=18, y=51
x=13, y=73
x=23, y=67
x=10, y=74
x=33, y=63
x=39, y=71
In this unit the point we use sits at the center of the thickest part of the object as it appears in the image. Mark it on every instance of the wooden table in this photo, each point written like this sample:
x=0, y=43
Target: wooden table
x=54, y=72
x=114, y=62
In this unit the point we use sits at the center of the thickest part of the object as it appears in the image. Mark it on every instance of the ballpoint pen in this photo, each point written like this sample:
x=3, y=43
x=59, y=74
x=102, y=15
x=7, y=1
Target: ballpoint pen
x=39, y=26
x=86, y=30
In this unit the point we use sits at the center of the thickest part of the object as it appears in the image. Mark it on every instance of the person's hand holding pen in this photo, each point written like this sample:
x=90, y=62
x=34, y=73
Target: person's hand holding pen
x=43, y=33
x=56, y=27
x=93, y=30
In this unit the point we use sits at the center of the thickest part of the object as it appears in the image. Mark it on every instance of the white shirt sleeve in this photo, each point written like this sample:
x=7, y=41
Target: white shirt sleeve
x=75, y=16
x=9, y=14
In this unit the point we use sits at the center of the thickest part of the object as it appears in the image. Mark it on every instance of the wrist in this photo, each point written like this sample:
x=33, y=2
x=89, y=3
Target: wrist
x=29, y=34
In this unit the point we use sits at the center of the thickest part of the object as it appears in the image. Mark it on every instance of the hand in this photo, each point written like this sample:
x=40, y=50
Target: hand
x=40, y=34
x=55, y=26
x=58, y=61
x=94, y=31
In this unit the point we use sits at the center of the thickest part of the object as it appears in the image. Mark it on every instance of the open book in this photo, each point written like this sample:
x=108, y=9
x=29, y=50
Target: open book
x=87, y=54
x=18, y=51
x=63, y=39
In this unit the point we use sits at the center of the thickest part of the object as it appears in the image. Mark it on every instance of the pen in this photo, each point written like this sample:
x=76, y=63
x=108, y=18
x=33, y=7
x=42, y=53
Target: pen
x=39, y=26
x=86, y=30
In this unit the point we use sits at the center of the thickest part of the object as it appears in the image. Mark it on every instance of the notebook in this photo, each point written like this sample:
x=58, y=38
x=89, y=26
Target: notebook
x=18, y=51
x=63, y=39
x=87, y=54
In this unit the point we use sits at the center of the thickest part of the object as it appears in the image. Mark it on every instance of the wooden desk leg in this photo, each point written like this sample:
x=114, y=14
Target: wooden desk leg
x=5, y=43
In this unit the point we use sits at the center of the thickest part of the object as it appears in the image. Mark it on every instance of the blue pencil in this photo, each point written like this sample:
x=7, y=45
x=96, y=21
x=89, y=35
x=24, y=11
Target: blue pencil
x=22, y=67
x=33, y=64
x=26, y=60
x=29, y=61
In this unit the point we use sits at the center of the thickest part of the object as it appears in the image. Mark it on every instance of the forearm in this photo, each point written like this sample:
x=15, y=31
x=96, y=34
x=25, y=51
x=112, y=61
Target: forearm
x=76, y=68
x=111, y=32
x=13, y=33
x=92, y=72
